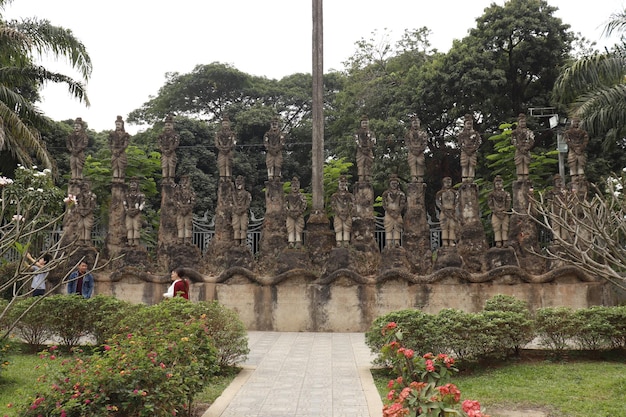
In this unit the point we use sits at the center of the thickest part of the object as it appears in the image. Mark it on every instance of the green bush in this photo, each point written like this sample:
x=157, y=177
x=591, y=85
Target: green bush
x=616, y=317
x=32, y=321
x=466, y=335
x=510, y=323
x=555, y=327
x=155, y=372
x=105, y=315
x=593, y=329
x=225, y=328
x=71, y=318
x=418, y=331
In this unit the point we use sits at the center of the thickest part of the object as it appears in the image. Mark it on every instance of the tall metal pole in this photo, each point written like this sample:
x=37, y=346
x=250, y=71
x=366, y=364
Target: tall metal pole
x=317, y=178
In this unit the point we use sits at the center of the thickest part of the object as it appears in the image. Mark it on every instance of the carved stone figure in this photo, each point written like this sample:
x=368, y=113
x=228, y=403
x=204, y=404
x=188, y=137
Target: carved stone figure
x=168, y=140
x=446, y=201
x=499, y=202
x=225, y=141
x=523, y=139
x=134, y=203
x=118, y=141
x=558, y=200
x=394, y=202
x=469, y=141
x=577, y=140
x=365, y=141
x=185, y=199
x=240, y=209
x=295, y=206
x=85, y=205
x=342, y=203
x=77, y=142
x=416, y=140
x=274, y=141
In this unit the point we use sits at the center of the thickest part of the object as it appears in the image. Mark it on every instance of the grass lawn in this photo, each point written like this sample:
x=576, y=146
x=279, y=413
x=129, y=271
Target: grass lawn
x=576, y=388
x=19, y=381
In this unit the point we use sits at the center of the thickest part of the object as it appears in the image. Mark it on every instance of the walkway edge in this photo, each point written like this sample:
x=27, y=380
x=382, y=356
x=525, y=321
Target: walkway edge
x=219, y=405
x=374, y=403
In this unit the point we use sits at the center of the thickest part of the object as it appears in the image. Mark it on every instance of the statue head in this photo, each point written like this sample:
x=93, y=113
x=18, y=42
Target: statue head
x=239, y=182
x=295, y=184
x=365, y=122
x=78, y=124
x=275, y=123
x=119, y=123
x=133, y=184
x=343, y=183
x=225, y=122
x=575, y=122
x=557, y=180
x=169, y=123
x=447, y=182
x=394, y=182
x=521, y=120
x=415, y=122
x=468, y=122
x=497, y=182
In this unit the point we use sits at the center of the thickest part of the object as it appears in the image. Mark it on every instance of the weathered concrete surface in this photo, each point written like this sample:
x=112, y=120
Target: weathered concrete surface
x=347, y=302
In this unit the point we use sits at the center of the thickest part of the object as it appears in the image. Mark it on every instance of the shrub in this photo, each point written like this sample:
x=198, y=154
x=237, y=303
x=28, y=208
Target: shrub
x=419, y=331
x=592, y=329
x=71, y=318
x=616, y=317
x=510, y=323
x=466, y=335
x=422, y=386
x=155, y=372
x=105, y=315
x=555, y=327
x=32, y=321
x=225, y=328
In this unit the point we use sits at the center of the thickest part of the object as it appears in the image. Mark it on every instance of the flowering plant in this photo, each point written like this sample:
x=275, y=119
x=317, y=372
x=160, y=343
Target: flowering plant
x=421, y=388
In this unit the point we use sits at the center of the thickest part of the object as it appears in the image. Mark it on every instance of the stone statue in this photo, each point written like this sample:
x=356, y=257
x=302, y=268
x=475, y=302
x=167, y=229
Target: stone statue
x=342, y=203
x=523, y=139
x=77, y=142
x=240, y=209
x=499, y=201
x=85, y=205
x=577, y=140
x=558, y=200
x=168, y=140
x=365, y=141
x=274, y=140
x=394, y=202
x=225, y=142
x=469, y=141
x=416, y=140
x=118, y=141
x=185, y=199
x=446, y=201
x=295, y=206
x=134, y=202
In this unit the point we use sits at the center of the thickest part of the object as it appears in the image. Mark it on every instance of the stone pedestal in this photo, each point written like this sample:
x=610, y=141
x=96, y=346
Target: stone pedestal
x=135, y=256
x=523, y=235
x=168, y=234
x=447, y=257
x=274, y=229
x=497, y=257
x=290, y=259
x=223, y=240
x=416, y=236
x=394, y=258
x=115, y=240
x=319, y=239
x=363, y=223
x=472, y=242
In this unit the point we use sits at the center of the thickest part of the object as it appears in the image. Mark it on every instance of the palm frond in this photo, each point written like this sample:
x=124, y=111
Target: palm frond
x=21, y=140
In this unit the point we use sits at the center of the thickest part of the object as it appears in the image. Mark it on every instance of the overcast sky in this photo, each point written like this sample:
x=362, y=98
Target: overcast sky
x=133, y=43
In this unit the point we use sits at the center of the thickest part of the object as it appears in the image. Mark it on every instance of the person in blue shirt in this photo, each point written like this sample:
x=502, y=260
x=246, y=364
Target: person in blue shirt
x=80, y=281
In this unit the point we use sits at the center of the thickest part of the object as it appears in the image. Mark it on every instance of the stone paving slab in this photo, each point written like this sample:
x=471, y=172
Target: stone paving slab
x=302, y=375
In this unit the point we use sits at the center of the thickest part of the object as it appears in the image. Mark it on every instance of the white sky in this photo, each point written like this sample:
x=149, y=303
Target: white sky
x=133, y=43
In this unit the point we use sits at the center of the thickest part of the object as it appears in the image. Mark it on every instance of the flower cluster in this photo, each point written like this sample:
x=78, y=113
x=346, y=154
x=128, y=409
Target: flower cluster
x=422, y=387
x=70, y=200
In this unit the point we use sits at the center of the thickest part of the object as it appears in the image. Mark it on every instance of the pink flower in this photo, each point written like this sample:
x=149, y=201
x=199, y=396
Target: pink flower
x=409, y=353
x=430, y=366
x=107, y=347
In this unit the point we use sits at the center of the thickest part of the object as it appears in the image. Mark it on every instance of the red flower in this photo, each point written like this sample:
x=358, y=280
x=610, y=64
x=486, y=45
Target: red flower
x=430, y=366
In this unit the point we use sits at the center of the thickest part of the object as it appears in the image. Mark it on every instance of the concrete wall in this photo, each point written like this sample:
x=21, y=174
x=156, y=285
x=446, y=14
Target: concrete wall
x=345, y=302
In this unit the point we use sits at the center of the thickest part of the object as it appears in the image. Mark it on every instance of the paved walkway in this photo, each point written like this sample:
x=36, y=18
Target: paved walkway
x=302, y=375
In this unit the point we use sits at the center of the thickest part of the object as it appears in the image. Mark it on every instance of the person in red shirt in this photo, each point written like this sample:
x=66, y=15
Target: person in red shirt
x=180, y=285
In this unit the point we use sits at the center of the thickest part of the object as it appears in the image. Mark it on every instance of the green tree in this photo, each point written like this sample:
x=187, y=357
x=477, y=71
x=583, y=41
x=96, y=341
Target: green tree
x=21, y=43
x=593, y=88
